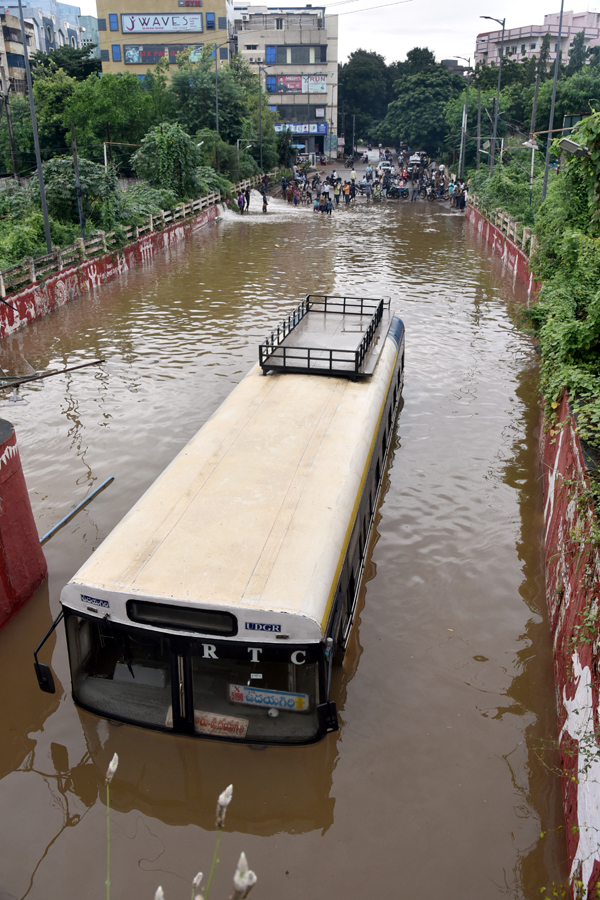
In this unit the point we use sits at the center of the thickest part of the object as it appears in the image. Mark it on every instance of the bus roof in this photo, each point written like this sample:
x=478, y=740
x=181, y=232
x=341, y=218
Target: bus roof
x=254, y=514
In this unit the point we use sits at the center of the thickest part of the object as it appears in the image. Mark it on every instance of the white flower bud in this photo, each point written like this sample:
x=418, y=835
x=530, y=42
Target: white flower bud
x=197, y=880
x=160, y=894
x=112, y=769
x=222, y=804
x=244, y=878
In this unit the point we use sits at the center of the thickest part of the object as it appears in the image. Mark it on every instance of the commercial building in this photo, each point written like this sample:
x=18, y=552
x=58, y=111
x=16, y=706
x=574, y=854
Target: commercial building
x=12, y=59
x=55, y=24
x=295, y=51
x=523, y=43
x=88, y=26
x=136, y=34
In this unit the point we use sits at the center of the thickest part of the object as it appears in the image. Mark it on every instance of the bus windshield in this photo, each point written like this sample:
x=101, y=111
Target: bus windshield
x=217, y=688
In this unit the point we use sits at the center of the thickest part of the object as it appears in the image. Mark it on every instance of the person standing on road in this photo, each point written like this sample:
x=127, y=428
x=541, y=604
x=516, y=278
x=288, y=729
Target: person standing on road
x=329, y=207
x=265, y=201
x=247, y=196
x=336, y=191
x=241, y=202
x=353, y=176
x=346, y=191
x=368, y=190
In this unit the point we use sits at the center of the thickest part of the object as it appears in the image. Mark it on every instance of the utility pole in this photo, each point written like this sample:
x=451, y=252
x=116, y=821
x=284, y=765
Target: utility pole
x=497, y=108
x=217, y=47
x=353, y=131
x=552, y=105
x=109, y=143
x=36, y=140
x=532, y=135
x=465, y=118
x=478, y=125
x=78, y=190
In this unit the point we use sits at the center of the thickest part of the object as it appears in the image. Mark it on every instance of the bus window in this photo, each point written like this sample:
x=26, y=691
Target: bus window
x=370, y=504
x=254, y=692
x=383, y=444
x=378, y=472
x=118, y=672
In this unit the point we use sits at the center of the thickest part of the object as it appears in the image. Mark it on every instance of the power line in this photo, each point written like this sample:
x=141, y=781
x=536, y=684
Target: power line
x=369, y=8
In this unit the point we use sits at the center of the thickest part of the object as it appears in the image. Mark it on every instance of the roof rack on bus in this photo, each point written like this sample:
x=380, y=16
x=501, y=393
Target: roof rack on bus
x=328, y=335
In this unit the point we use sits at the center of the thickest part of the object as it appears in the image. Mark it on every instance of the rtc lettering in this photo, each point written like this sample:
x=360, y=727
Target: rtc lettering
x=296, y=657
x=254, y=651
x=210, y=651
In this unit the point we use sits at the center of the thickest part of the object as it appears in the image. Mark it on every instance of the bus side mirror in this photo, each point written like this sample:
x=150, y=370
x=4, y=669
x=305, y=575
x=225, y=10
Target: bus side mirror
x=327, y=717
x=44, y=677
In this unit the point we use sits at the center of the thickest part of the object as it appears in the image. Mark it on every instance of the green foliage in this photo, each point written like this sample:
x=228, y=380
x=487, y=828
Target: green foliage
x=418, y=115
x=168, y=158
x=75, y=62
x=193, y=87
x=364, y=84
x=508, y=189
x=59, y=181
x=578, y=54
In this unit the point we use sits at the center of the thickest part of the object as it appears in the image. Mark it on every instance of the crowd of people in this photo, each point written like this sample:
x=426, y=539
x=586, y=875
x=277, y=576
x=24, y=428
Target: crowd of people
x=416, y=176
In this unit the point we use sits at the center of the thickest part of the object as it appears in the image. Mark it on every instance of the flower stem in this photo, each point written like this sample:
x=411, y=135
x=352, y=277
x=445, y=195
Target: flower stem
x=108, y=842
x=213, y=867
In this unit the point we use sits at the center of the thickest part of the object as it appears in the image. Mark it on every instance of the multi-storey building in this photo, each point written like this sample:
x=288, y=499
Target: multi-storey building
x=12, y=58
x=523, y=43
x=136, y=34
x=295, y=51
x=55, y=24
x=88, y=26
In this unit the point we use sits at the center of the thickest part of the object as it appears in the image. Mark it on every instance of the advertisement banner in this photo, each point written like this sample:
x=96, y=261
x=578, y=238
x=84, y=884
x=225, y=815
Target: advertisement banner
x=301, y=84
x=303, y=128
x=160, y=23
x=149, y=54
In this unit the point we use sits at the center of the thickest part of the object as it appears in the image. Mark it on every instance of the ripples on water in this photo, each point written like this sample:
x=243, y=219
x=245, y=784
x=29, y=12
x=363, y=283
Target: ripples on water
x=434, y=784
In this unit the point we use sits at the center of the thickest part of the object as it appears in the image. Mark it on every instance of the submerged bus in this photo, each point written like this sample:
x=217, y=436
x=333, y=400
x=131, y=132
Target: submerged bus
x=216, y=607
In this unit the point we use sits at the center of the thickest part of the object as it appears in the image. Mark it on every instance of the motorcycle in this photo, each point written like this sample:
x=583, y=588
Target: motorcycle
x=349, y=162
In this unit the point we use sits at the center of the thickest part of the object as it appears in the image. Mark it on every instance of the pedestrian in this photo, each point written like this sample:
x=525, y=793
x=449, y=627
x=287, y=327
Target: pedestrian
x=353, y=176
x=415, y=191
x=316, y=205
x=247, y=194
x=346, y=192
x=265, y=201
x=329, y=207
x=464, y=198
x=241, y=202
x=337, y=191
x=451, y=192
x=353, y=190
x=368, y=190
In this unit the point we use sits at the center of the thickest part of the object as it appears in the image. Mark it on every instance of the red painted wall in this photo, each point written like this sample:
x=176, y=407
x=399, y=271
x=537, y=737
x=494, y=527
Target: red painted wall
x=22, y=562
x=42, y=297
x=515, y=259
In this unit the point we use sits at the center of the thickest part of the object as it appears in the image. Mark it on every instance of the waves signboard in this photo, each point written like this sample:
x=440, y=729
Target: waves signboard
x=160, y=23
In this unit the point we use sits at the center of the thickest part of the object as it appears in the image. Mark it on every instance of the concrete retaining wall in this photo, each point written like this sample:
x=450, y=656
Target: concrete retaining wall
x=515, y=259
x=40, y=298
x=573, y=595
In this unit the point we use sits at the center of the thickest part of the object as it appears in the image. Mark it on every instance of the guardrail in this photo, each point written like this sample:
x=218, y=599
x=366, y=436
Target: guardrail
x=31, y=270
x=515, y=231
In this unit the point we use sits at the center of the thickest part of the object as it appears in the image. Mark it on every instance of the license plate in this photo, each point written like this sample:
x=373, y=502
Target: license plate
x=254, y=696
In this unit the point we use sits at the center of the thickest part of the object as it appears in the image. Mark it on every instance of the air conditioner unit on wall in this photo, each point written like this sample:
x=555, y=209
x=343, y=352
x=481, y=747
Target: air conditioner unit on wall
x=245, y=18
x=259, y=59
x=250, y=59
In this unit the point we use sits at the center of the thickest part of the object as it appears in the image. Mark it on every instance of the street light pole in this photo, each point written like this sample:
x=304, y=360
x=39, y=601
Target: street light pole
x=261, y=69
x=463, y=133
x=36, y=140
x=217, y=47
x=496, y=111
x=552, y=105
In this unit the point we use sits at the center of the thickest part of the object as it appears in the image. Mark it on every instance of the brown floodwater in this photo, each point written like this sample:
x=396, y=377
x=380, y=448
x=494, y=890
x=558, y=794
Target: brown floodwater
x=442, y=776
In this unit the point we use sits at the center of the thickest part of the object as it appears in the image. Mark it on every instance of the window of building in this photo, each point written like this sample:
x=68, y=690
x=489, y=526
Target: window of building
x=271, y=54
x=556, y=48
x=101, y=24
x=251, y=46
x=49, y=33
x=279, y=24
x=532, y=46
x=15, y=60
x=523, y=48
x=222, y=23
x=271, y=84
x=210, y=22
x=73, y=42
x=113, y=22
x=104, y=55
x=223, y=52
x=116, y=52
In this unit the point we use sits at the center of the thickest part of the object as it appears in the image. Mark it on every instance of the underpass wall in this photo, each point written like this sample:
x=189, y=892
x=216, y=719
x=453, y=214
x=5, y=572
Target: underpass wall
x=41, y=297
x=572, y=564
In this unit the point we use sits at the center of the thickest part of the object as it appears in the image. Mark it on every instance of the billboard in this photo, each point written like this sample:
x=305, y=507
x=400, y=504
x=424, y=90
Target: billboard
x=160, y=23
x=303, y=128
x=301, y=84
x=149, y=54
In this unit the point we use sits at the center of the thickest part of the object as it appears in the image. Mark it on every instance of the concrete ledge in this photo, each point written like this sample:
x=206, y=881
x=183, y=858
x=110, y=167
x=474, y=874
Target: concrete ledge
x=40, y=298
x=515, y=259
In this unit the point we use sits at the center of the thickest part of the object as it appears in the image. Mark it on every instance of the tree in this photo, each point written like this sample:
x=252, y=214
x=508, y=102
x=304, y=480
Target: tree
x=578, y=54
x=364, y=86
x=52, y=89
x=544, y=57
x=168, y=158
x=418, y=113
x=193, y=86
x=75, y=62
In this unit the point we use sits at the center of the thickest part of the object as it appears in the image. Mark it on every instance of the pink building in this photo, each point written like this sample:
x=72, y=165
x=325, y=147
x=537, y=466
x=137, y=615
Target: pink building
x=525, y=42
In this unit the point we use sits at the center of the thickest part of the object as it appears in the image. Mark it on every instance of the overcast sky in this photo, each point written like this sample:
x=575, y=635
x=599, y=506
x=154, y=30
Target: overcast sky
x=394, y=30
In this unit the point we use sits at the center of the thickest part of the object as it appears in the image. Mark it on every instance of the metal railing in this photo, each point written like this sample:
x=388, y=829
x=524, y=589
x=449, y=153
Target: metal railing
x=273, y=354
x=30, y=271
x=515, y=231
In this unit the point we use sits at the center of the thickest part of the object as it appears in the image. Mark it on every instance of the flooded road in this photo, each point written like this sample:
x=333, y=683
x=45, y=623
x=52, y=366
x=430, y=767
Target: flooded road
x=440, y=779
